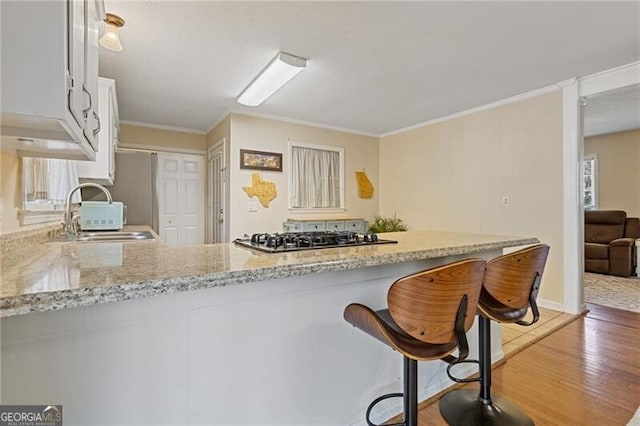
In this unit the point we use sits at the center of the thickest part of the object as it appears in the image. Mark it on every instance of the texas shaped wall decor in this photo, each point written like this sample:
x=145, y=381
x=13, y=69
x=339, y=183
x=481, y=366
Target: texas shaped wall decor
x=264, y=190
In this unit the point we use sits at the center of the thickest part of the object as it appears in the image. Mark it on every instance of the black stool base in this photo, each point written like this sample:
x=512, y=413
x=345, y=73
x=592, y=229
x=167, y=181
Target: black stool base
x=464, y=408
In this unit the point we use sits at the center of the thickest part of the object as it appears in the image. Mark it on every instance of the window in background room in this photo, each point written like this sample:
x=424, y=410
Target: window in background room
x=45, y=185
x=317, y=177
x=589, y=182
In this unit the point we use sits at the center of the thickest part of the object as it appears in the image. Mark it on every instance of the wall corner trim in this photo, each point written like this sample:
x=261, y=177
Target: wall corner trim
x=217, y=122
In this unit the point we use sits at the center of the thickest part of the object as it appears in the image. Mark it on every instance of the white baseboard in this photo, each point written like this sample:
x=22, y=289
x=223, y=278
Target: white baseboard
x=549, y=304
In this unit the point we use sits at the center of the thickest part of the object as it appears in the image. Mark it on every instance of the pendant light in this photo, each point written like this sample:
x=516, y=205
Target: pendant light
x=111, y=37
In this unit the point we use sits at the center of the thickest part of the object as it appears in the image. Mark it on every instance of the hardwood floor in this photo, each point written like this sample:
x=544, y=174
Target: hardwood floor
x=587, y=373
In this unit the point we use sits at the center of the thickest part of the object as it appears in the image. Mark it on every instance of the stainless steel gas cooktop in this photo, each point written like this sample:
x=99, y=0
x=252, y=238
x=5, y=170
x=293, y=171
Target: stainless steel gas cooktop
x=294, y=241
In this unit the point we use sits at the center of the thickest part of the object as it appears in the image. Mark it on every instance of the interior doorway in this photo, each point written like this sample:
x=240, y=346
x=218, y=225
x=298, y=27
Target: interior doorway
x=600, y=96
x=217, y=187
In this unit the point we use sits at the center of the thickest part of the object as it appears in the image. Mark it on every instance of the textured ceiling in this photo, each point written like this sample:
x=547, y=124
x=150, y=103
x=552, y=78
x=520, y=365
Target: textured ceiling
x=373, y=67
x=613, y=111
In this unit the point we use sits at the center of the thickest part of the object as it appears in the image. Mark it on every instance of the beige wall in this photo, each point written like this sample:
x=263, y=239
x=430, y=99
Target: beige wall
x=247, y=132
x=160, y=138
x=452, y=176
x=618, y=173
x=222, y=130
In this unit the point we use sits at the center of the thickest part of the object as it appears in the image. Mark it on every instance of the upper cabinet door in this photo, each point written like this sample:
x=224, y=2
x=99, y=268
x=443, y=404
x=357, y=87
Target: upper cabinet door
x=79, y=96
x=102, y=170
x=92, y=119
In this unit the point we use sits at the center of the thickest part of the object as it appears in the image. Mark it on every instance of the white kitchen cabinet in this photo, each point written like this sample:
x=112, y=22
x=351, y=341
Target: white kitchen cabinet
x=356, y=225
x=336, y=225
x=94, y=15
x=103, y=169
x=49, y=77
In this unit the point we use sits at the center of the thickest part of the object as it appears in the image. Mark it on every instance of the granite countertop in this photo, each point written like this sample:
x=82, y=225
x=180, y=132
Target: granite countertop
x=52, y=276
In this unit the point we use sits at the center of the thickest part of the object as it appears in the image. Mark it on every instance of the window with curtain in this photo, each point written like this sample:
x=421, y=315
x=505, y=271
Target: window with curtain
x=46, y=183
x=589, y=182
x=316, y=177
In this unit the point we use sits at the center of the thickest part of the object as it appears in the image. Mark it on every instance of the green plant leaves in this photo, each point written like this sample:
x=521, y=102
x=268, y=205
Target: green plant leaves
x=387, y=224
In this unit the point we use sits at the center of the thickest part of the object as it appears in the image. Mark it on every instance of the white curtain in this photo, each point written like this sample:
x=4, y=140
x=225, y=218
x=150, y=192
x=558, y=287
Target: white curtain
x=35, y=178
x=63, y=178
x=315, y=178
x=47, y=182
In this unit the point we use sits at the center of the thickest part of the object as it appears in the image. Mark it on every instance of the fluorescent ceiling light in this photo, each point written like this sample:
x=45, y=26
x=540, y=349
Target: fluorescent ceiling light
x=279, y=71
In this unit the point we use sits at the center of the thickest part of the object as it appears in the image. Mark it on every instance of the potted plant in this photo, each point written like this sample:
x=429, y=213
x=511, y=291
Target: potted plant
x=387, y=224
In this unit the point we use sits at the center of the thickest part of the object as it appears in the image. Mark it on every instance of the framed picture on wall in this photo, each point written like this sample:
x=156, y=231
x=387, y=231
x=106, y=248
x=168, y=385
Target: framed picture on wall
x=260, y=160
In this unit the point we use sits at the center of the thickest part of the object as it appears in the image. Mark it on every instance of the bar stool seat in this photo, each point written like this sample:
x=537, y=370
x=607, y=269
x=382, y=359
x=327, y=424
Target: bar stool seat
x=427, y=318
x=510, y=288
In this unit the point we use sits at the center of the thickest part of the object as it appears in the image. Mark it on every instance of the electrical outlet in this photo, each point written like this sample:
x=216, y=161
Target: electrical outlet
x=506, y=201
x=253, y=205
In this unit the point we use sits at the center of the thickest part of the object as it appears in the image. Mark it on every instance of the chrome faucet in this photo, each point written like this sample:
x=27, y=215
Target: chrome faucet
x=70, y=225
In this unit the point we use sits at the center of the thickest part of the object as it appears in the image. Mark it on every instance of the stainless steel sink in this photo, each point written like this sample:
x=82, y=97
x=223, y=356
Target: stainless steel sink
x=107, y=236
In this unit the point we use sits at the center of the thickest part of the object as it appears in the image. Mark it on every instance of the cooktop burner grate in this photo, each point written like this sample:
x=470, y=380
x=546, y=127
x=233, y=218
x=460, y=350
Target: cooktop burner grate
x=293, y=241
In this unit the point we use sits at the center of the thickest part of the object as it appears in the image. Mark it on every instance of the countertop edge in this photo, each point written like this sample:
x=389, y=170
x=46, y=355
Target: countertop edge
x=71, y=298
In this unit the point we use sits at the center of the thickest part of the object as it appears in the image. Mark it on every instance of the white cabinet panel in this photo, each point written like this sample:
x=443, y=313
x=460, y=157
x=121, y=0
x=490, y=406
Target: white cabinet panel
x=314, y=226
x=335, y=225
x=92, y=119
x=102, y=170
x=77, y=60
x=123, y=364
x=353, y=225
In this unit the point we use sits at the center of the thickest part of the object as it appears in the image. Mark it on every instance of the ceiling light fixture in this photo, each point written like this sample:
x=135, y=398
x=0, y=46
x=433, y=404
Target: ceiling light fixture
x=278, y=73
x=111, y=37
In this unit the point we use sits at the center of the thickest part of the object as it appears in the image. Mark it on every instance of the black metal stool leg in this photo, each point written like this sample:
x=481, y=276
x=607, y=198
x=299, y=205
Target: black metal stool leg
x=468, y=408
x=484, y=325
x=410, y=392
x=410, y=396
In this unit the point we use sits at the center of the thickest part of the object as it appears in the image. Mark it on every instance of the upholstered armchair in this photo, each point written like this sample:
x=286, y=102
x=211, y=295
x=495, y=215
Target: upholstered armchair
x=632, y=228
x=606, y=250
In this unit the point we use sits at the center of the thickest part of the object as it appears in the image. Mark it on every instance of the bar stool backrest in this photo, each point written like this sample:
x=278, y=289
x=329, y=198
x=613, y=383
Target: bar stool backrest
x=510, y=278
x=425, y=304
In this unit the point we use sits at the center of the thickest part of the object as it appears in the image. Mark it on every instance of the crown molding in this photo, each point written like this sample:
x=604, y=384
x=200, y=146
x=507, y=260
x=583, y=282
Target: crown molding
x=292, y=121
x=610, y=79
x=501, y=102
x=161, y=127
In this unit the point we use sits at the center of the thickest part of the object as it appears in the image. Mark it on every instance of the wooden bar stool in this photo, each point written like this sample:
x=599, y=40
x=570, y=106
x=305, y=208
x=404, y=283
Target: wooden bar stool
x=427, y=318
x=510, y=287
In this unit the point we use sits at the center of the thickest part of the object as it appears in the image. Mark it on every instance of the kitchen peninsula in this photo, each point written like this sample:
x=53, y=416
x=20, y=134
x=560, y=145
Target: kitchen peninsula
x=230, y=335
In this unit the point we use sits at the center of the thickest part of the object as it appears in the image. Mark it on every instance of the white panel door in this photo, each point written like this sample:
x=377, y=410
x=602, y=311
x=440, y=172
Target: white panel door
x=180, y=184
x=168, y=184
x=192, y=197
